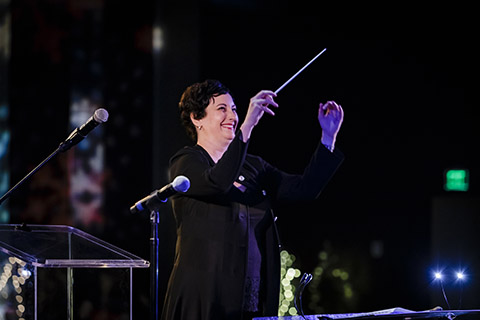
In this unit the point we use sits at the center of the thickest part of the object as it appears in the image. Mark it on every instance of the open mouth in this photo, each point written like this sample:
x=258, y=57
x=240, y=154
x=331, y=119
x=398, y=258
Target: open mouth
x=229, y=126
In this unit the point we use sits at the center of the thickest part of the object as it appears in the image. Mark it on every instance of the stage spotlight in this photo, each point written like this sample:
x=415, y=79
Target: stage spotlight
x=460, y=275
x=438, y=275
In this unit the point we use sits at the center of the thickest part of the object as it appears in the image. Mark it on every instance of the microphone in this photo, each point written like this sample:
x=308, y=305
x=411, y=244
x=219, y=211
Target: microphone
x=179, y=184
x=77, y=135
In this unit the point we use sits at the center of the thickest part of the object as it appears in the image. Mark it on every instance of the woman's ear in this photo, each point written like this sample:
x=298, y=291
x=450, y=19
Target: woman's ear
x=196, y=123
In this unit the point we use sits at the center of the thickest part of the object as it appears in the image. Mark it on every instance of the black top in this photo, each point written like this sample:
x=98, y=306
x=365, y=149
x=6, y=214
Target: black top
x=213, y=217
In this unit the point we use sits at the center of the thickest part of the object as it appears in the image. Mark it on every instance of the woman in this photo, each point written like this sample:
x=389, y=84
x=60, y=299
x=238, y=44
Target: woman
x=227, y=263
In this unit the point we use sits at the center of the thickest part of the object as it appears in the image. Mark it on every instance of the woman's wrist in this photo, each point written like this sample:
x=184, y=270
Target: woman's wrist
x=246, y=131
x=329, y=147
x=328, y=142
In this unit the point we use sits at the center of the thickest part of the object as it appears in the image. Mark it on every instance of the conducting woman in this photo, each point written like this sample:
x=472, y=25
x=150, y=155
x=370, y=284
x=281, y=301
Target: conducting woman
x=227, y=263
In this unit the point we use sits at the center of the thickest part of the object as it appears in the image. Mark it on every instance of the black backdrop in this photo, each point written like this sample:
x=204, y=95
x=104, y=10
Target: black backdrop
x=405, y=76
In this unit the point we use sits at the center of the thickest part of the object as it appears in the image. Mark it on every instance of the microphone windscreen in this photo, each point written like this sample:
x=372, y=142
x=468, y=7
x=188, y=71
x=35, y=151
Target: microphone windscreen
x=181, y=184
x=100, y=115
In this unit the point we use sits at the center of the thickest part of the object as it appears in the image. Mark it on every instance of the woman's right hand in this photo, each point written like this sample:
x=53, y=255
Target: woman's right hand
x=259, y=104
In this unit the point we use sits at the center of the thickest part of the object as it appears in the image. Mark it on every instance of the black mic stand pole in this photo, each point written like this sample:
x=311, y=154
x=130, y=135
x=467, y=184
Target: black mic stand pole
x=9, y=192
x=64, y=146
x=77, y=135
x=154, y=240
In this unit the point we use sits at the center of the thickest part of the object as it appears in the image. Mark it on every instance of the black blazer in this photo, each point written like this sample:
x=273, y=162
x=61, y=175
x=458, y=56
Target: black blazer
x=207, y=280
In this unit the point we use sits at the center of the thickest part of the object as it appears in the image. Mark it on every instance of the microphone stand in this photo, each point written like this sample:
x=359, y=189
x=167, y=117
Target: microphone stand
x=153, y=203
x=154, y=240
x=9, y=192
x=77, y=135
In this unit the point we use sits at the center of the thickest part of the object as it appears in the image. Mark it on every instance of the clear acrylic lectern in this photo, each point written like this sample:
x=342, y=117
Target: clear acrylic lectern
x=43, y=267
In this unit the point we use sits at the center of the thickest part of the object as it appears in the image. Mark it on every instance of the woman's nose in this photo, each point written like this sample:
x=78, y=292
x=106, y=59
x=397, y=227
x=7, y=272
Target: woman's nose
x=232, y=114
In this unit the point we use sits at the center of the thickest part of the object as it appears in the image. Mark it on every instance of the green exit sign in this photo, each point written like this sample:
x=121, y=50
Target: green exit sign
x=456, y=180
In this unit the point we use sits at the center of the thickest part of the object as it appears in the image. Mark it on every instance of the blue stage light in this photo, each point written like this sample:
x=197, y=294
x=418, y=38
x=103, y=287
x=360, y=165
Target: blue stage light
x=438, y=275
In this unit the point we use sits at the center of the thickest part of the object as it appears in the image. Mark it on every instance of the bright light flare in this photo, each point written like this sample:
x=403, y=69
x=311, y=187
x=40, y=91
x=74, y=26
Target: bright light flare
x=438, y=275
x=460, y=275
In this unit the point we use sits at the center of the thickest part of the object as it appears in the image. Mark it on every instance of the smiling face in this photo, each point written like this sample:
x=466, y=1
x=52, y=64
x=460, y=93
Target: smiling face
x=220, y=121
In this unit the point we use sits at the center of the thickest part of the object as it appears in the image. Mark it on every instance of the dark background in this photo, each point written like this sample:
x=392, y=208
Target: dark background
x=404, y=75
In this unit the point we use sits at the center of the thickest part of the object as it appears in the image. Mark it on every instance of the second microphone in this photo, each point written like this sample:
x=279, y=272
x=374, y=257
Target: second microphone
x=179, y=184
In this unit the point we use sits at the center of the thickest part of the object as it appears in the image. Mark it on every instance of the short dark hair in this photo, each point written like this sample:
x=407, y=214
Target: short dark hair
x=195, y=100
